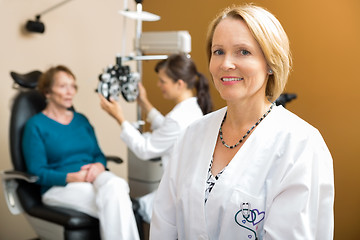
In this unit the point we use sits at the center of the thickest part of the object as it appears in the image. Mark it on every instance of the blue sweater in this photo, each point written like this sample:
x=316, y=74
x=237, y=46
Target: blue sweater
x=51, y=149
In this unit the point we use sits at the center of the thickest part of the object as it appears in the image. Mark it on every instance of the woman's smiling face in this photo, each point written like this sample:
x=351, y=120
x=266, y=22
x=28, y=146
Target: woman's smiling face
x=237, y=63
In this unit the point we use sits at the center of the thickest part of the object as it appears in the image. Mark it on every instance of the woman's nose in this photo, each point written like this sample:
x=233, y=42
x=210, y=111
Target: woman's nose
x=71, y=89
x=227, y=63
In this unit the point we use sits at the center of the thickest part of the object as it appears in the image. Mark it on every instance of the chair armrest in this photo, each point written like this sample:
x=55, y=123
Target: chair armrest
x=10, y=186
x=12, y=174
x=114, y=159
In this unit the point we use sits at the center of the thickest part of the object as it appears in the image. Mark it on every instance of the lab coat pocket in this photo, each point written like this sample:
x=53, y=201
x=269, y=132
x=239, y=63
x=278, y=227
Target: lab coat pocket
x=244, y=217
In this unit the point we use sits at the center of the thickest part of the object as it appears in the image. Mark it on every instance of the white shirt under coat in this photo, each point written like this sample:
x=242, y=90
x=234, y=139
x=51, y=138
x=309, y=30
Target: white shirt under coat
x=283, y=172
x=165, y=131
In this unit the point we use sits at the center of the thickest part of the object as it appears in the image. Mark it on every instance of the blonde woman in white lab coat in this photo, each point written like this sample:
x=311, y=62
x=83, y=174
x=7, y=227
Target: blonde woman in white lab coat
x=178, y=77
x=251, y=170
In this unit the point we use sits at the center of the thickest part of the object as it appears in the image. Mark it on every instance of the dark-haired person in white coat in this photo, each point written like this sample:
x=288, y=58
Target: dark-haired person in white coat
x=251, y=170
x=181, y=83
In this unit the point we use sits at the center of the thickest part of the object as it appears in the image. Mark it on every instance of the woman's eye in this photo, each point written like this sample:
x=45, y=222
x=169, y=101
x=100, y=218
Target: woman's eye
x=218, y=52
x=245, y=52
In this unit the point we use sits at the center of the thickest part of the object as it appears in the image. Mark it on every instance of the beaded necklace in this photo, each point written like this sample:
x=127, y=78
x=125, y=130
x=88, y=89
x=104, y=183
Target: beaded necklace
x=246, y=134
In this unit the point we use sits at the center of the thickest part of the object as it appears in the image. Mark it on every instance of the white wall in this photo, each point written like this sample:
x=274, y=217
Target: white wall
x=85, y=35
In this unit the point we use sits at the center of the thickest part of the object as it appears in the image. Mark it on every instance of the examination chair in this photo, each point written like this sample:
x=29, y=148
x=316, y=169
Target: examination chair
x=22, y=194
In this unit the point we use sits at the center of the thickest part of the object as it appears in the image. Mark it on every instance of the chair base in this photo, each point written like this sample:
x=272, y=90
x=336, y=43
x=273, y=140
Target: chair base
x=51, y=231
x=45, y=229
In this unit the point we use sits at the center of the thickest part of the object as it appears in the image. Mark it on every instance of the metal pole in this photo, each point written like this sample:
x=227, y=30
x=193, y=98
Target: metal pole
x=138, y=52
x=53, y=7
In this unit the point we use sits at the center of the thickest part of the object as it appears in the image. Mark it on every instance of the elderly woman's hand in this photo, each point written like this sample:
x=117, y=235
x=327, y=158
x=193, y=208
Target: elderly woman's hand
x=79, y=176
x=93, y=170
x=113, y=108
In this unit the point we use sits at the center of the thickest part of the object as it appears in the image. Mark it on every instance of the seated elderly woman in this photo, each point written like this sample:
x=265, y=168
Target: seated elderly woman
x=60, y=147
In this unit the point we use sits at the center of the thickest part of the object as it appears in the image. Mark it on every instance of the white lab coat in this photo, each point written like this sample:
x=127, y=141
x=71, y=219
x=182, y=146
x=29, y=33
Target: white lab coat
x=166, y=131
x=279, y=185
x=161, y=140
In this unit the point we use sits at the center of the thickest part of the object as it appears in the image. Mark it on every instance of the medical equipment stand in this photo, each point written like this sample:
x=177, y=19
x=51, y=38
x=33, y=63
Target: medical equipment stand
x=144, y=176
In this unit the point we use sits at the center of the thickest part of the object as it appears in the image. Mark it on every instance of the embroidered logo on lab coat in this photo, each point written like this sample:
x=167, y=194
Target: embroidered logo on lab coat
x=249, y=219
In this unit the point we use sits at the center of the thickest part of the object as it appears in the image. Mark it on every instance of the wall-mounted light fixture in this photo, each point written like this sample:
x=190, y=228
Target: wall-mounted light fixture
x=37, y=26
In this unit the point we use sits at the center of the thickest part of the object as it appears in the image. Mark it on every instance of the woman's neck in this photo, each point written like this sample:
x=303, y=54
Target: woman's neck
x=185, y=95
x=61, y=115
x=245, y=113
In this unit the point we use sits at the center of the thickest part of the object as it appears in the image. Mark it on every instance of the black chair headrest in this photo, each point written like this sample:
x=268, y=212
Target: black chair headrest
x=27, y=80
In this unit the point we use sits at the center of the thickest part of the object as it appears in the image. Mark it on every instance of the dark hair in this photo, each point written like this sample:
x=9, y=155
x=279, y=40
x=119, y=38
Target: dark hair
x=46, y=80
x=180, y=66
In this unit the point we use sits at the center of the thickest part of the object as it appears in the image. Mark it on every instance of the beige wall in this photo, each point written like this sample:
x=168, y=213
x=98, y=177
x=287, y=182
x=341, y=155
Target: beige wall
x=325, y=37
x=84, y=35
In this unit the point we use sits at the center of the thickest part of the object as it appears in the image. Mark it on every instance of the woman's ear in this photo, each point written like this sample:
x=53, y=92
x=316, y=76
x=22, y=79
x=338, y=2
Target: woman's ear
x=47, y=94
x=181, y=84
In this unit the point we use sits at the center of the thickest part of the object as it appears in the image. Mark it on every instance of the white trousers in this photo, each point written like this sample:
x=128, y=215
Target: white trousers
x=106, y=199
x=146, y=206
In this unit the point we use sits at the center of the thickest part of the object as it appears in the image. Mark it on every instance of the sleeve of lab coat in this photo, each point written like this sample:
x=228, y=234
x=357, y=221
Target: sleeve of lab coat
x=155, y=118
x=302, y=206
x=163, y=220
x=151, y=145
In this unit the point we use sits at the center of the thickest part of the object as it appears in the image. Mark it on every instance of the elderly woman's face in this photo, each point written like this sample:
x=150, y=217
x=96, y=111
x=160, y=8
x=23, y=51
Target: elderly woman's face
x=63, y=90
x=237, y=63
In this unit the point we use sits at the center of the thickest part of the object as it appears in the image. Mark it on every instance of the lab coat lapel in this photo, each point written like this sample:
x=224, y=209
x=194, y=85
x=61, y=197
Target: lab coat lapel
x=195, y=172
x=208, y=141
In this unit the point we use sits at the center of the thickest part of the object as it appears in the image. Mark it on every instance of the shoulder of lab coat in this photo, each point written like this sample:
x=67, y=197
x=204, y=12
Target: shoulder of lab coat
x=186, y=112
x=303, y=198
x=155, y=118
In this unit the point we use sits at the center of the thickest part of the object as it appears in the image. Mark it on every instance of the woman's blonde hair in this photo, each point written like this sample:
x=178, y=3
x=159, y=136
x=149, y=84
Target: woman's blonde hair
x=271, y=37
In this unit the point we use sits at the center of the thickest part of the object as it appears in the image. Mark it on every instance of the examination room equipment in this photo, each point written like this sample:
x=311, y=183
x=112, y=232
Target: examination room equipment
x=37, y=26
x=119, y=79
x=21, y=193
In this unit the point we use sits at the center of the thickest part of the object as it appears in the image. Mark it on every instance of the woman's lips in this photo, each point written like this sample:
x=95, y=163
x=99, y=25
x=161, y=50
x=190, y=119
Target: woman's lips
x=230, y=80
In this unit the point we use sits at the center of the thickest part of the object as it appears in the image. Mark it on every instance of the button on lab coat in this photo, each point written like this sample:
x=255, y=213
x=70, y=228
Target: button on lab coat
x=279, y=185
